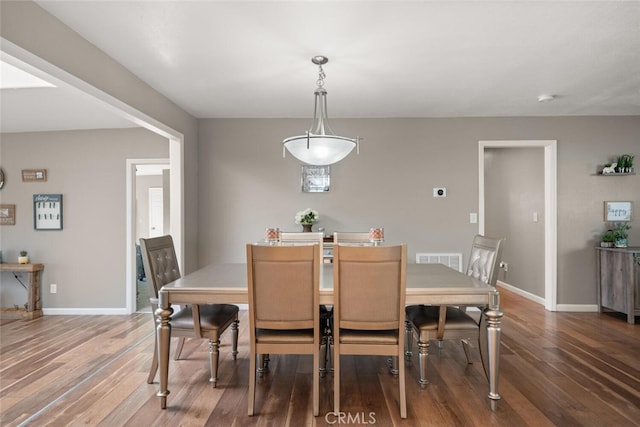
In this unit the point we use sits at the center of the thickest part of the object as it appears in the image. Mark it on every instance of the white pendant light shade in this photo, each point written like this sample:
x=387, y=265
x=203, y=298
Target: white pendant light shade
x=319, y=146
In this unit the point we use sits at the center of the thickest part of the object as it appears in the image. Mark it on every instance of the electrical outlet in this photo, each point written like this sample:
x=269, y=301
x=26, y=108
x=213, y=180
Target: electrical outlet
x=53, y=288
x=439, y=192
x=505, y=266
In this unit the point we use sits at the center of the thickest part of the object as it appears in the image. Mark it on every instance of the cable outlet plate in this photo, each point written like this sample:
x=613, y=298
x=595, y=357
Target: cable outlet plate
x=439, y=192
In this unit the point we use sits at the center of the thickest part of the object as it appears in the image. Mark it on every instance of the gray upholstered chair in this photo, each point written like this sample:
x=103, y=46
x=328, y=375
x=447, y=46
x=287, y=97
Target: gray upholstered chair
x=197, y=321
x=369, y=298
x=448, y=322
x=284, y=293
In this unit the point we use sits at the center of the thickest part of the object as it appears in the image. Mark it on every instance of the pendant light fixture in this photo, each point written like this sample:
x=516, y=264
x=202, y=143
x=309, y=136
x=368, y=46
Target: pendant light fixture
x=319, y=145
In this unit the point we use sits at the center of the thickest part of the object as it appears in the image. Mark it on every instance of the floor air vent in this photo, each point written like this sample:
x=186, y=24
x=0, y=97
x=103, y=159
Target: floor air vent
x=450, y=260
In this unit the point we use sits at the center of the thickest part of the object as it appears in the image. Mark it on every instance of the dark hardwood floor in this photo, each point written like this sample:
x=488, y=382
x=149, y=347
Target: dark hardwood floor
x=563, y=369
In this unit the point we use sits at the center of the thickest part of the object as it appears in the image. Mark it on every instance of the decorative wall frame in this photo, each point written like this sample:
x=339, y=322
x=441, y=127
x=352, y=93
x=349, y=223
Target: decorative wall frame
x=315, y=179
x=34, y=175
x=7, y=214
x=617, y=211
x=47, y=211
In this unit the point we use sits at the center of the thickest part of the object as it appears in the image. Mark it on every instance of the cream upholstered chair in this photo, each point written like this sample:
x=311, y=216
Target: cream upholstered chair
x=198, y=321
x=305, y=238
x=351, y=237
x=369, y=298
x=447, y=322
x=284, y=289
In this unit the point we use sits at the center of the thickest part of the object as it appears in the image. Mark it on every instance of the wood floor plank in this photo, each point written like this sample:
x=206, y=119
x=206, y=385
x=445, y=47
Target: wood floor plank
x=569, y=369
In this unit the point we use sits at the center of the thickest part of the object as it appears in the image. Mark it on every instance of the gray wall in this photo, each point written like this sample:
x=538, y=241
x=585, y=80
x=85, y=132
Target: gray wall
x=246, y=185
x=86, y=259
x=514, y=191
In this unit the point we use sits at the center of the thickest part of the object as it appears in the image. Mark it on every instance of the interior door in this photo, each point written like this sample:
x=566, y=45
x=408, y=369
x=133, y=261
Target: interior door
x=156, y=212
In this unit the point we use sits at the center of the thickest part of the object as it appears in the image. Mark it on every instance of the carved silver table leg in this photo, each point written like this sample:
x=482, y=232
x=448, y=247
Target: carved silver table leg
x=491, y=353
x=163, y=332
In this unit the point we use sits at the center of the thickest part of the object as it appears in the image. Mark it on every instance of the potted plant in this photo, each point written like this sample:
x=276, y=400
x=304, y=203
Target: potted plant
x=307, y=218
x=630, y=158
x=608, y=239
x=621, y=163
x=23, y=258
x=621, y=233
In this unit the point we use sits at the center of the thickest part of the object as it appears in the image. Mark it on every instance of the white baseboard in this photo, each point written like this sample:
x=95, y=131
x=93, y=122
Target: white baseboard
x=518, y=291
x=83, y=311
x=98, y=311
x=586, y=308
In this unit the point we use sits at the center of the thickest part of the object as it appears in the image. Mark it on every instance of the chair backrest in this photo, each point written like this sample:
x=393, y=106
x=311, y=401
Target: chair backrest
x=369, y=286
x=351, y=237
x=292, y=238
x=160, y=262
x=484, y=260
x=284, y=286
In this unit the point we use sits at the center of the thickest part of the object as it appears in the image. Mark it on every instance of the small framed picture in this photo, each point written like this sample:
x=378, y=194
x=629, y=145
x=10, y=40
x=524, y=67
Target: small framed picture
x=7, y=214
x=47, y=211
x=617, y=211
x=34, y=175
x=315, y=179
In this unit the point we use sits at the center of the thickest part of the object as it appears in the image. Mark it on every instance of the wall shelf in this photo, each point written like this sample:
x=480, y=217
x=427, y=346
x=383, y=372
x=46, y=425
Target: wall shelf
x=614, y=174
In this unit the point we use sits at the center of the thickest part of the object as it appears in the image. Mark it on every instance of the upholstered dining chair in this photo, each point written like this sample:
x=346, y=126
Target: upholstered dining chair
x=369, y=298
x=287, y=238
x=284, y=289
x=351, y=237
x=448, y=322
x=198, y=321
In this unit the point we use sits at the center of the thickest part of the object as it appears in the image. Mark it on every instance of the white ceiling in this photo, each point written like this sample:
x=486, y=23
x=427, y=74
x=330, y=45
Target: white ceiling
x=386, y=58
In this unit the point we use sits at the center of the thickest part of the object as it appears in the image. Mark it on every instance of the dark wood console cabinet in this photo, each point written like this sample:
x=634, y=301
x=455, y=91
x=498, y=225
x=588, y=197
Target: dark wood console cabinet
x=618, y=278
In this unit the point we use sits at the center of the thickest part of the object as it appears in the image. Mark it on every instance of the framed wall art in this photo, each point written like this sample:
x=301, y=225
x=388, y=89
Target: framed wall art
x=617, y=211
x=47, y=211
x=315, y=179
x=34, y=175
x=7, y=214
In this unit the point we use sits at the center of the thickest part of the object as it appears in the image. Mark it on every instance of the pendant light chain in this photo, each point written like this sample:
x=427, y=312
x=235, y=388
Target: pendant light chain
x=321, y=77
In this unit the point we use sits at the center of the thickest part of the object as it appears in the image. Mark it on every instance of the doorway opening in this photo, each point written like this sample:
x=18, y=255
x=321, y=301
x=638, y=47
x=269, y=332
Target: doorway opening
x=550, y=207
x=149, y=214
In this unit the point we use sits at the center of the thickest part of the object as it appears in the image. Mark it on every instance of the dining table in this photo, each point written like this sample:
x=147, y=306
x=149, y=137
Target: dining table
x=434, y=284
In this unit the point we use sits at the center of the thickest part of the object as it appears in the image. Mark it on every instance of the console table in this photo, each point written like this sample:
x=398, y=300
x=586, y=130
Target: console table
x=33, y=309
x=618, y=278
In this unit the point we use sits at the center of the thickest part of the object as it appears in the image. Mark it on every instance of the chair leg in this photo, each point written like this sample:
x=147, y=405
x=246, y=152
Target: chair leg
x=178, y=351
x=401, y=385
x=408, y=340
x=467, y=349
x=323, y=356
x=316, y=384
x=336, y=381
x=154, y=361
x=423, y=353
x=252, y=383
x=262, y=364
x=393, y=368
x=234, y=339
x=213, y=361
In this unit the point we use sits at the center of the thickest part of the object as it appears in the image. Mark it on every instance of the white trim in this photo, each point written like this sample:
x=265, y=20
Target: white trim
x=84, y=311
x=578, y=308
x=518, y=291
x=550, y=206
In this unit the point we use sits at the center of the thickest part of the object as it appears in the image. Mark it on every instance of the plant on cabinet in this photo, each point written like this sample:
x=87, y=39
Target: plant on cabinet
x=23, y=258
